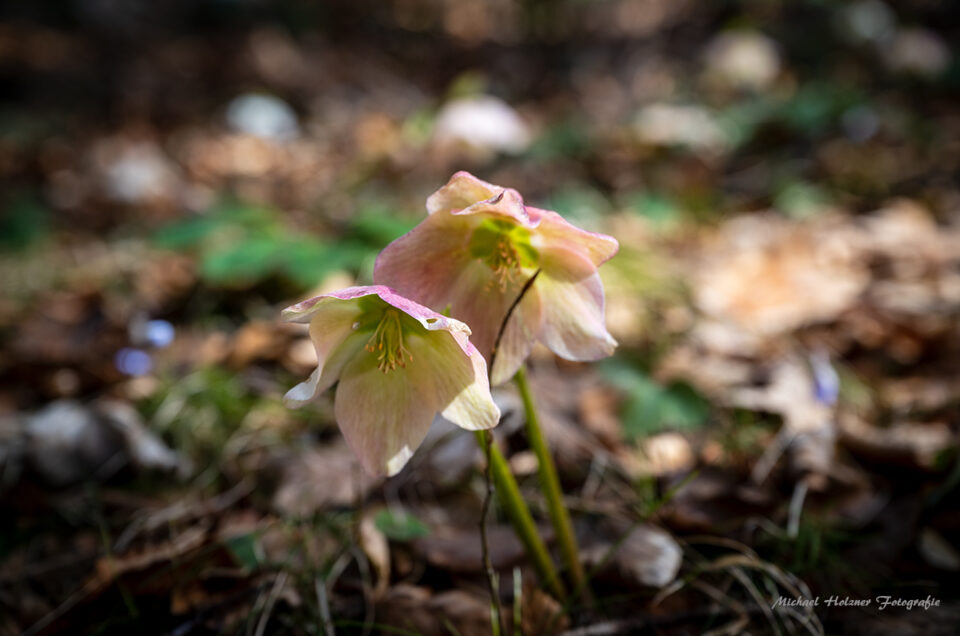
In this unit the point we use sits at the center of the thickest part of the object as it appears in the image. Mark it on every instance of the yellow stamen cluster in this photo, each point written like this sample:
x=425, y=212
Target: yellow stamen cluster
x=505, y=248
x=505, y=263
x=387, y=343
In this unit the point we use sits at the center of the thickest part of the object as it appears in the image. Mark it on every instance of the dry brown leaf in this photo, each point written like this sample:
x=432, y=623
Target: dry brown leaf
x=541, y=613
x=905, y=231
x=458, y=548
x=771, y=275
x=599, y=412
x=318, y=478
x=909, y=443
x=557, y=396
x=416, y=609
x=711, y=500
x=109, y=568
x=260, y=340
x=919, y=393
x=808, y=434
x=163, y=280
x=715, y=357
x=375, y=546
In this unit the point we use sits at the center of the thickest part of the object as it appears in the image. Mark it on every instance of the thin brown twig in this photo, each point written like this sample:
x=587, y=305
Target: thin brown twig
x=492, y=577
x=506, y=319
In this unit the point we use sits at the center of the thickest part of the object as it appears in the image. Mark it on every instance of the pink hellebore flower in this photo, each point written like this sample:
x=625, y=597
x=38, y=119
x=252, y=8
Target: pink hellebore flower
x=475, y=251
x=398, y=364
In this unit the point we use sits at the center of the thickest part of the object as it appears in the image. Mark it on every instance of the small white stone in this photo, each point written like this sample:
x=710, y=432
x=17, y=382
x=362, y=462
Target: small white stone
x=263, y=116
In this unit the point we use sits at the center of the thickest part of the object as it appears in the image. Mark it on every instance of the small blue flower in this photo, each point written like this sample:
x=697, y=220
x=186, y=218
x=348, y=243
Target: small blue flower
x=134, y=362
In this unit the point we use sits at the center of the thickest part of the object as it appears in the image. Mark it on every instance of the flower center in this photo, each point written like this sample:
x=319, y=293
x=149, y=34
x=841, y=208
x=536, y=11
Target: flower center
x=505, y=248
x=387, y=343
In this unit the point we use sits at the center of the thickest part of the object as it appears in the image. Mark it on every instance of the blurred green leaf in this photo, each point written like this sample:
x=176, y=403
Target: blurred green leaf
x=379, y=226
x=307, y=261
x=239, y=243
x=244, y=261
x=400, y=526
x=244, y=549
x=565, y=140
x=186, y=233
x=817, y=105
x=799, y=199
x=234, y=217
x=741, y=120
x=650, y=407
x=22, y=222
x=418, y=127
x=579, y=202
x=199, y=413
x=658, y=209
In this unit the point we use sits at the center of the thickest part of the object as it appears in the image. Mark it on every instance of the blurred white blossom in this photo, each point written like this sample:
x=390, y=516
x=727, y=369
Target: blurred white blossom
x=868, y=21
x=484, y=123
x=743, y=59
x=918, y=51
x=681, y=125
x=135, y=172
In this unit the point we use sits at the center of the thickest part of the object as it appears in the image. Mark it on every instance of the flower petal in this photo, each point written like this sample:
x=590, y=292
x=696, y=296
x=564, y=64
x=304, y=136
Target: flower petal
x=428, y=318
x=521, y=332
x=465, y=194
x=385, y=416
x=456, y=374
x=331, y=325
x=422, y=263
x=304, y=310
x=555, y=231
x=572, y=295
x=461, y=191
x=380, y=416
x=326, y=373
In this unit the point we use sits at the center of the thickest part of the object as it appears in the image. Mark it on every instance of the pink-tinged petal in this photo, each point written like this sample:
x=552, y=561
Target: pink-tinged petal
x=554, y=231
x=422, y=264
x=572, y=295
x=304, y=310
x=461, y=191
x=475, y=299
x=428, y=318
x=331, y=321
x=467, y=286
x=507, y=204
x=521, y=332
x=465, y=194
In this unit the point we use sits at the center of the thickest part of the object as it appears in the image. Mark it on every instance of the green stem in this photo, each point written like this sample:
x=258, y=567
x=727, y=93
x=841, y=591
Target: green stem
x=508, y=492
x=550, y=484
